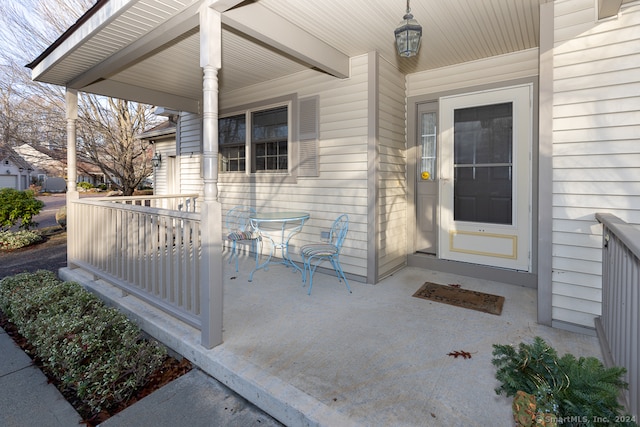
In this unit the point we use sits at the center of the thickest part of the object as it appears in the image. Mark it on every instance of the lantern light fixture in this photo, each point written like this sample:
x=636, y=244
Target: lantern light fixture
x=408, y=35
x=156, y=160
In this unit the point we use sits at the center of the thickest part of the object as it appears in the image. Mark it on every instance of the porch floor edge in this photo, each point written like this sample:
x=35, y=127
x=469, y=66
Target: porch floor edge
x=282, y=401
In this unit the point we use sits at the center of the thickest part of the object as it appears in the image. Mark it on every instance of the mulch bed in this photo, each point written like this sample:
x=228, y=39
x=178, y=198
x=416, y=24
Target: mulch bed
x=171, y=369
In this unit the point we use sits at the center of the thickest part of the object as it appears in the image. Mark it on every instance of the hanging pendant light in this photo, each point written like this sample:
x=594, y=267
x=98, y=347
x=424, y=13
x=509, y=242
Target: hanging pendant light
x=408, y=35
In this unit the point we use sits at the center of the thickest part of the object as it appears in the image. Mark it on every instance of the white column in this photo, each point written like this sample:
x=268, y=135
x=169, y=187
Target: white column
x=211, y=287
x=71, y=101
x=545, y=166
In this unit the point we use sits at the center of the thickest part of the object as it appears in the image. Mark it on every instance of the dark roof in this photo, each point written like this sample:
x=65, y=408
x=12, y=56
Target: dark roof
x=166, y=128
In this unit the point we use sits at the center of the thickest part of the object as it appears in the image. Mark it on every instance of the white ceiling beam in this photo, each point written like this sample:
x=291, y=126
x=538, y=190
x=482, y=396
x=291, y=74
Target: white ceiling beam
x=143, y=95
x=254, y=20
x=261, y=24
x=608, y=8
x=223, y=5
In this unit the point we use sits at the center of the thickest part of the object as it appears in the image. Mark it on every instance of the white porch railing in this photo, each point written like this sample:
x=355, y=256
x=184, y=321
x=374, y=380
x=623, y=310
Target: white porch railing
x=178, y=202
x=618, y=327
x=148, y=246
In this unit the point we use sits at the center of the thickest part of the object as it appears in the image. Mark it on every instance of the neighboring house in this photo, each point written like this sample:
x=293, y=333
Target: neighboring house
x=48, y=163
x=45, y=163
x=15, y=171
x=166, y=179
x=307, y=105
x=92, y=174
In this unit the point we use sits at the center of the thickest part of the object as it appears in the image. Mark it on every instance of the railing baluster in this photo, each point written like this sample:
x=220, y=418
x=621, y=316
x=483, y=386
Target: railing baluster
x=146, y=250
x=619, y=325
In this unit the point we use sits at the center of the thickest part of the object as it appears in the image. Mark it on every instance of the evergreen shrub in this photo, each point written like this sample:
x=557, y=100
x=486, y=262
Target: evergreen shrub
x=577, y=391
x=18, y=206
x=92, y=349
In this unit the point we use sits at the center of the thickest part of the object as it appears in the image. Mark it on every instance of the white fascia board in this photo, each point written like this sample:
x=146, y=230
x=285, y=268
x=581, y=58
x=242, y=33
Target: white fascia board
x=95, y=23
x=164, y=33
x=262, y=24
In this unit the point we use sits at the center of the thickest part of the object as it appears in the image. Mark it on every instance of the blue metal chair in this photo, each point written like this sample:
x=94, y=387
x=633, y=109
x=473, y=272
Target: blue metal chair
x=319, y=252
x=239, y=231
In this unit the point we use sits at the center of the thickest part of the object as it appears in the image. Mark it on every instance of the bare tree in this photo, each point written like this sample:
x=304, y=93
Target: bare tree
x=108, y=132
x=34, y=113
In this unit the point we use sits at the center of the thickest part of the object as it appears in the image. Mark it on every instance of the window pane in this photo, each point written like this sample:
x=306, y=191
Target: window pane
x=483, y=194
x=232, y=130
x=271, y=163
x=271, y=156
x=270, y=124
x=428, y=143
x=483, y=134
x=270, y=139
x=232, y=158
x=282, y=163
x=231, y=143
x=483, y=153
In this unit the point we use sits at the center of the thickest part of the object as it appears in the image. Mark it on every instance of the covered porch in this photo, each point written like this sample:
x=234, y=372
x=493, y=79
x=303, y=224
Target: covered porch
x=378, y=356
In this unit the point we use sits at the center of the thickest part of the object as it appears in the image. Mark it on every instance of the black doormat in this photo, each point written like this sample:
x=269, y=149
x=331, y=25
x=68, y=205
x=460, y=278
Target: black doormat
x=473, y=300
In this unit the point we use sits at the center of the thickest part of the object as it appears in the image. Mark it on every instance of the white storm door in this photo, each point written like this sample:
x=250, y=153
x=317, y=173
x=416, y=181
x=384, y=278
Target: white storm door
x=485, y=177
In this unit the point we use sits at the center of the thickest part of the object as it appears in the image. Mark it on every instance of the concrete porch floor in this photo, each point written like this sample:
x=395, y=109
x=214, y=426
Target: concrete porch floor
x=375, y=357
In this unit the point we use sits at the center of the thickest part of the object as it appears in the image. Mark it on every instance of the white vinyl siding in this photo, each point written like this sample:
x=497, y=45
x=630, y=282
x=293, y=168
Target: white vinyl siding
x=512, y=66
x=341, y=184
x=392, y=170
x=596, y=157
x=164, y=148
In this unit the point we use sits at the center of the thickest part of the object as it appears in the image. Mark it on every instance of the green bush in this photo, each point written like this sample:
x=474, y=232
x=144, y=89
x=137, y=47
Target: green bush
x=579, y=392
x=17, y=240
x=92, y=349
x=85, y=185
x=18, y=206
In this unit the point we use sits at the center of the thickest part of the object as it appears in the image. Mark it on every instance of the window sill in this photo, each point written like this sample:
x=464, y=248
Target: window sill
x=260, y=178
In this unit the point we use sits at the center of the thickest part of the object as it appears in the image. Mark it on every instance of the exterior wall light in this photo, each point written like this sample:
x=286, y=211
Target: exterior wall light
x=408, y=35
x=156, y=160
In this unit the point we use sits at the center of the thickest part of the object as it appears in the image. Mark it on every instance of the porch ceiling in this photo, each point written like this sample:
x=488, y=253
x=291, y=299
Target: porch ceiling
x=148, y=50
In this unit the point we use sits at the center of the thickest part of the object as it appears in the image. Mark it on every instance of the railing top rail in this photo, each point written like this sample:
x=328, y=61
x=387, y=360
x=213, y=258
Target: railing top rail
x=148, y=197
x=108, y=202
x=627, y=233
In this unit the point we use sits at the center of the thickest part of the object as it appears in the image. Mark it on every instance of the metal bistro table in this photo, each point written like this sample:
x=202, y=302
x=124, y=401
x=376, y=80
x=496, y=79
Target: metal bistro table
x=278, y=228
